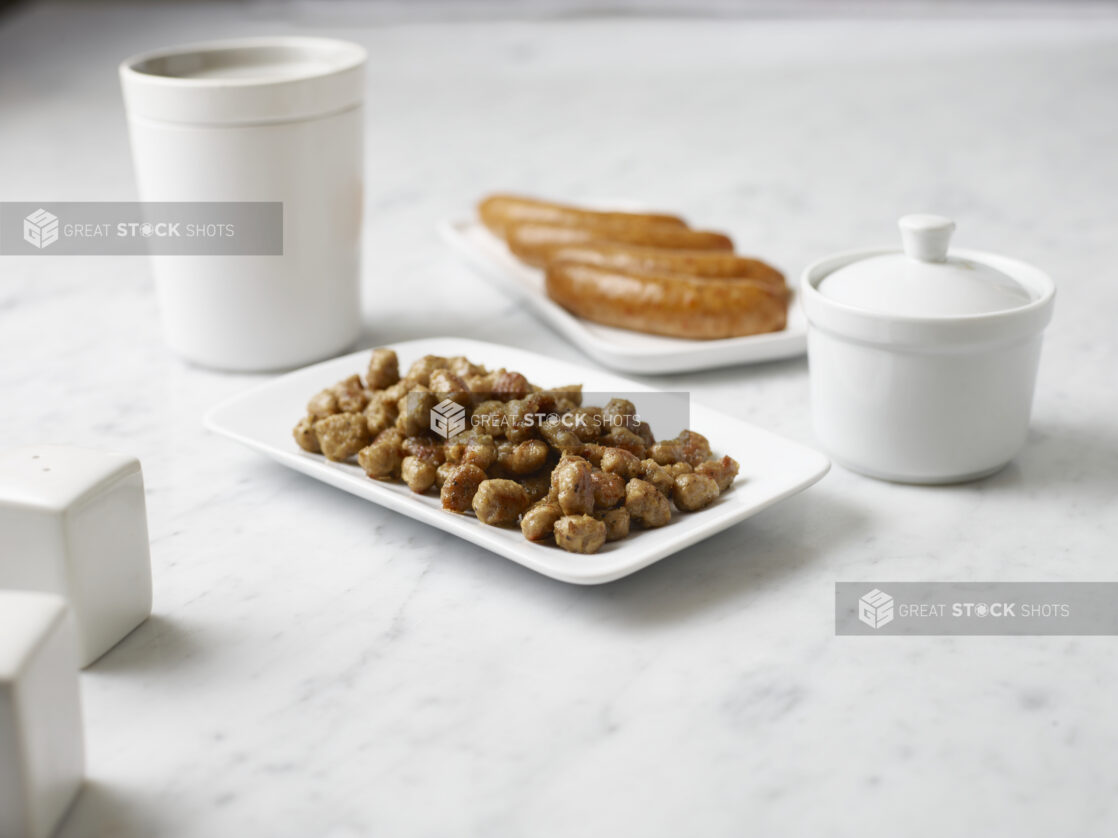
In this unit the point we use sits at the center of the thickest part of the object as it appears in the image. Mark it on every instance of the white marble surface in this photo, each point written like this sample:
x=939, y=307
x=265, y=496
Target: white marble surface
x=318, y=666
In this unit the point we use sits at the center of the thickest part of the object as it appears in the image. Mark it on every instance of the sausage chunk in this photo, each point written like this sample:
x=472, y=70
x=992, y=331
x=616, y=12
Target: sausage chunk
x=304, y=435
x=646, y=503
x=694, y=491
x=520, y=419
x=499, y=502
x=424, y=447
x=536, y=485
x=481, y=384
x=657, y=475
x=489, y=418
x=580, y=533
x=446, y=385
x=592, y=453
x=617, y=523
x=572, y=486
x=666, y=452
x=381, y=460
x=461, y=366
x=480, y=451
x=471, y=447
x=567, y=397
x=384, y=369
x=524, y=457
x=418, y=473
x=696, y=447
x=510, y=385
x=627, y=439
x=443, y=472
x=621, y=462
x=558, y=435
x=397, y=391
x=619, y=413
x=415, y=411
x=351, y=395
x=609, y=489
x=721, y=471
x=538, y=522
x=584, y=422
x=342, y=435
x=380, y=413
x=419, y=373
x=323, y=404
x=390, y=435
x=460, y=487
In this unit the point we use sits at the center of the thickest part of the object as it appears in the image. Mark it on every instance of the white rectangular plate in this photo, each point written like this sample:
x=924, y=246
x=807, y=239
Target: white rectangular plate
x=618, y=349
x=772, y=468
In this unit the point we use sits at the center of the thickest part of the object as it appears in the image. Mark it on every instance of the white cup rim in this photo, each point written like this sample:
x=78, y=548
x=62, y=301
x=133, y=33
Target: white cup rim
x=326, y=75
x=339, y=55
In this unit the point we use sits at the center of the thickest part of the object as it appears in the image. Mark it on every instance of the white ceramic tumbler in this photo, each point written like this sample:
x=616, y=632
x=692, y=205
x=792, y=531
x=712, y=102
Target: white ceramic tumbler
x=263, y=119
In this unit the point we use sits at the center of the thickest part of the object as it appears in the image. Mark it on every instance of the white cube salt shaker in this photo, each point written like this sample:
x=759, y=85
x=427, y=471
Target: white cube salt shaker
x=41, y=742
x=73, y=522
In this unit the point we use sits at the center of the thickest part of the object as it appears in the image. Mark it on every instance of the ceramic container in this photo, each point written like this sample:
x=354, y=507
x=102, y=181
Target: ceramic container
x=923, y=363
x=263, y=119
x=42, y=751
x=73, y=522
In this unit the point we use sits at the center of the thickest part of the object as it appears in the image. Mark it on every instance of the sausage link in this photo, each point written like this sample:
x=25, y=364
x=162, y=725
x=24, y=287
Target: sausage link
x=710, y=264
x=535, y=243
x=497, y=212
x=667, y=304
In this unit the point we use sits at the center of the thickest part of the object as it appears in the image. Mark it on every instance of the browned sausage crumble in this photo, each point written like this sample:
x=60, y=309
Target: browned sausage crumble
x=582, y=476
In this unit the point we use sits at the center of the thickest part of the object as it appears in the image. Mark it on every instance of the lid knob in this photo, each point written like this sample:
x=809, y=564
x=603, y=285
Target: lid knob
x=925, y=237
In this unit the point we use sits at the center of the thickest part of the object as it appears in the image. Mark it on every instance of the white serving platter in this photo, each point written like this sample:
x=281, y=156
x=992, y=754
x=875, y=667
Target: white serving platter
x=772, y=468
x=618, y=349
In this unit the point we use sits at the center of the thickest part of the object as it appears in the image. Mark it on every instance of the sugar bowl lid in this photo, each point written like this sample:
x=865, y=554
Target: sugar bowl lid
x=924, y=281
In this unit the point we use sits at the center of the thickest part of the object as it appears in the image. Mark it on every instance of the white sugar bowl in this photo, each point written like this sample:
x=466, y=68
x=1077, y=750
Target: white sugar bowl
x=923, y=363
